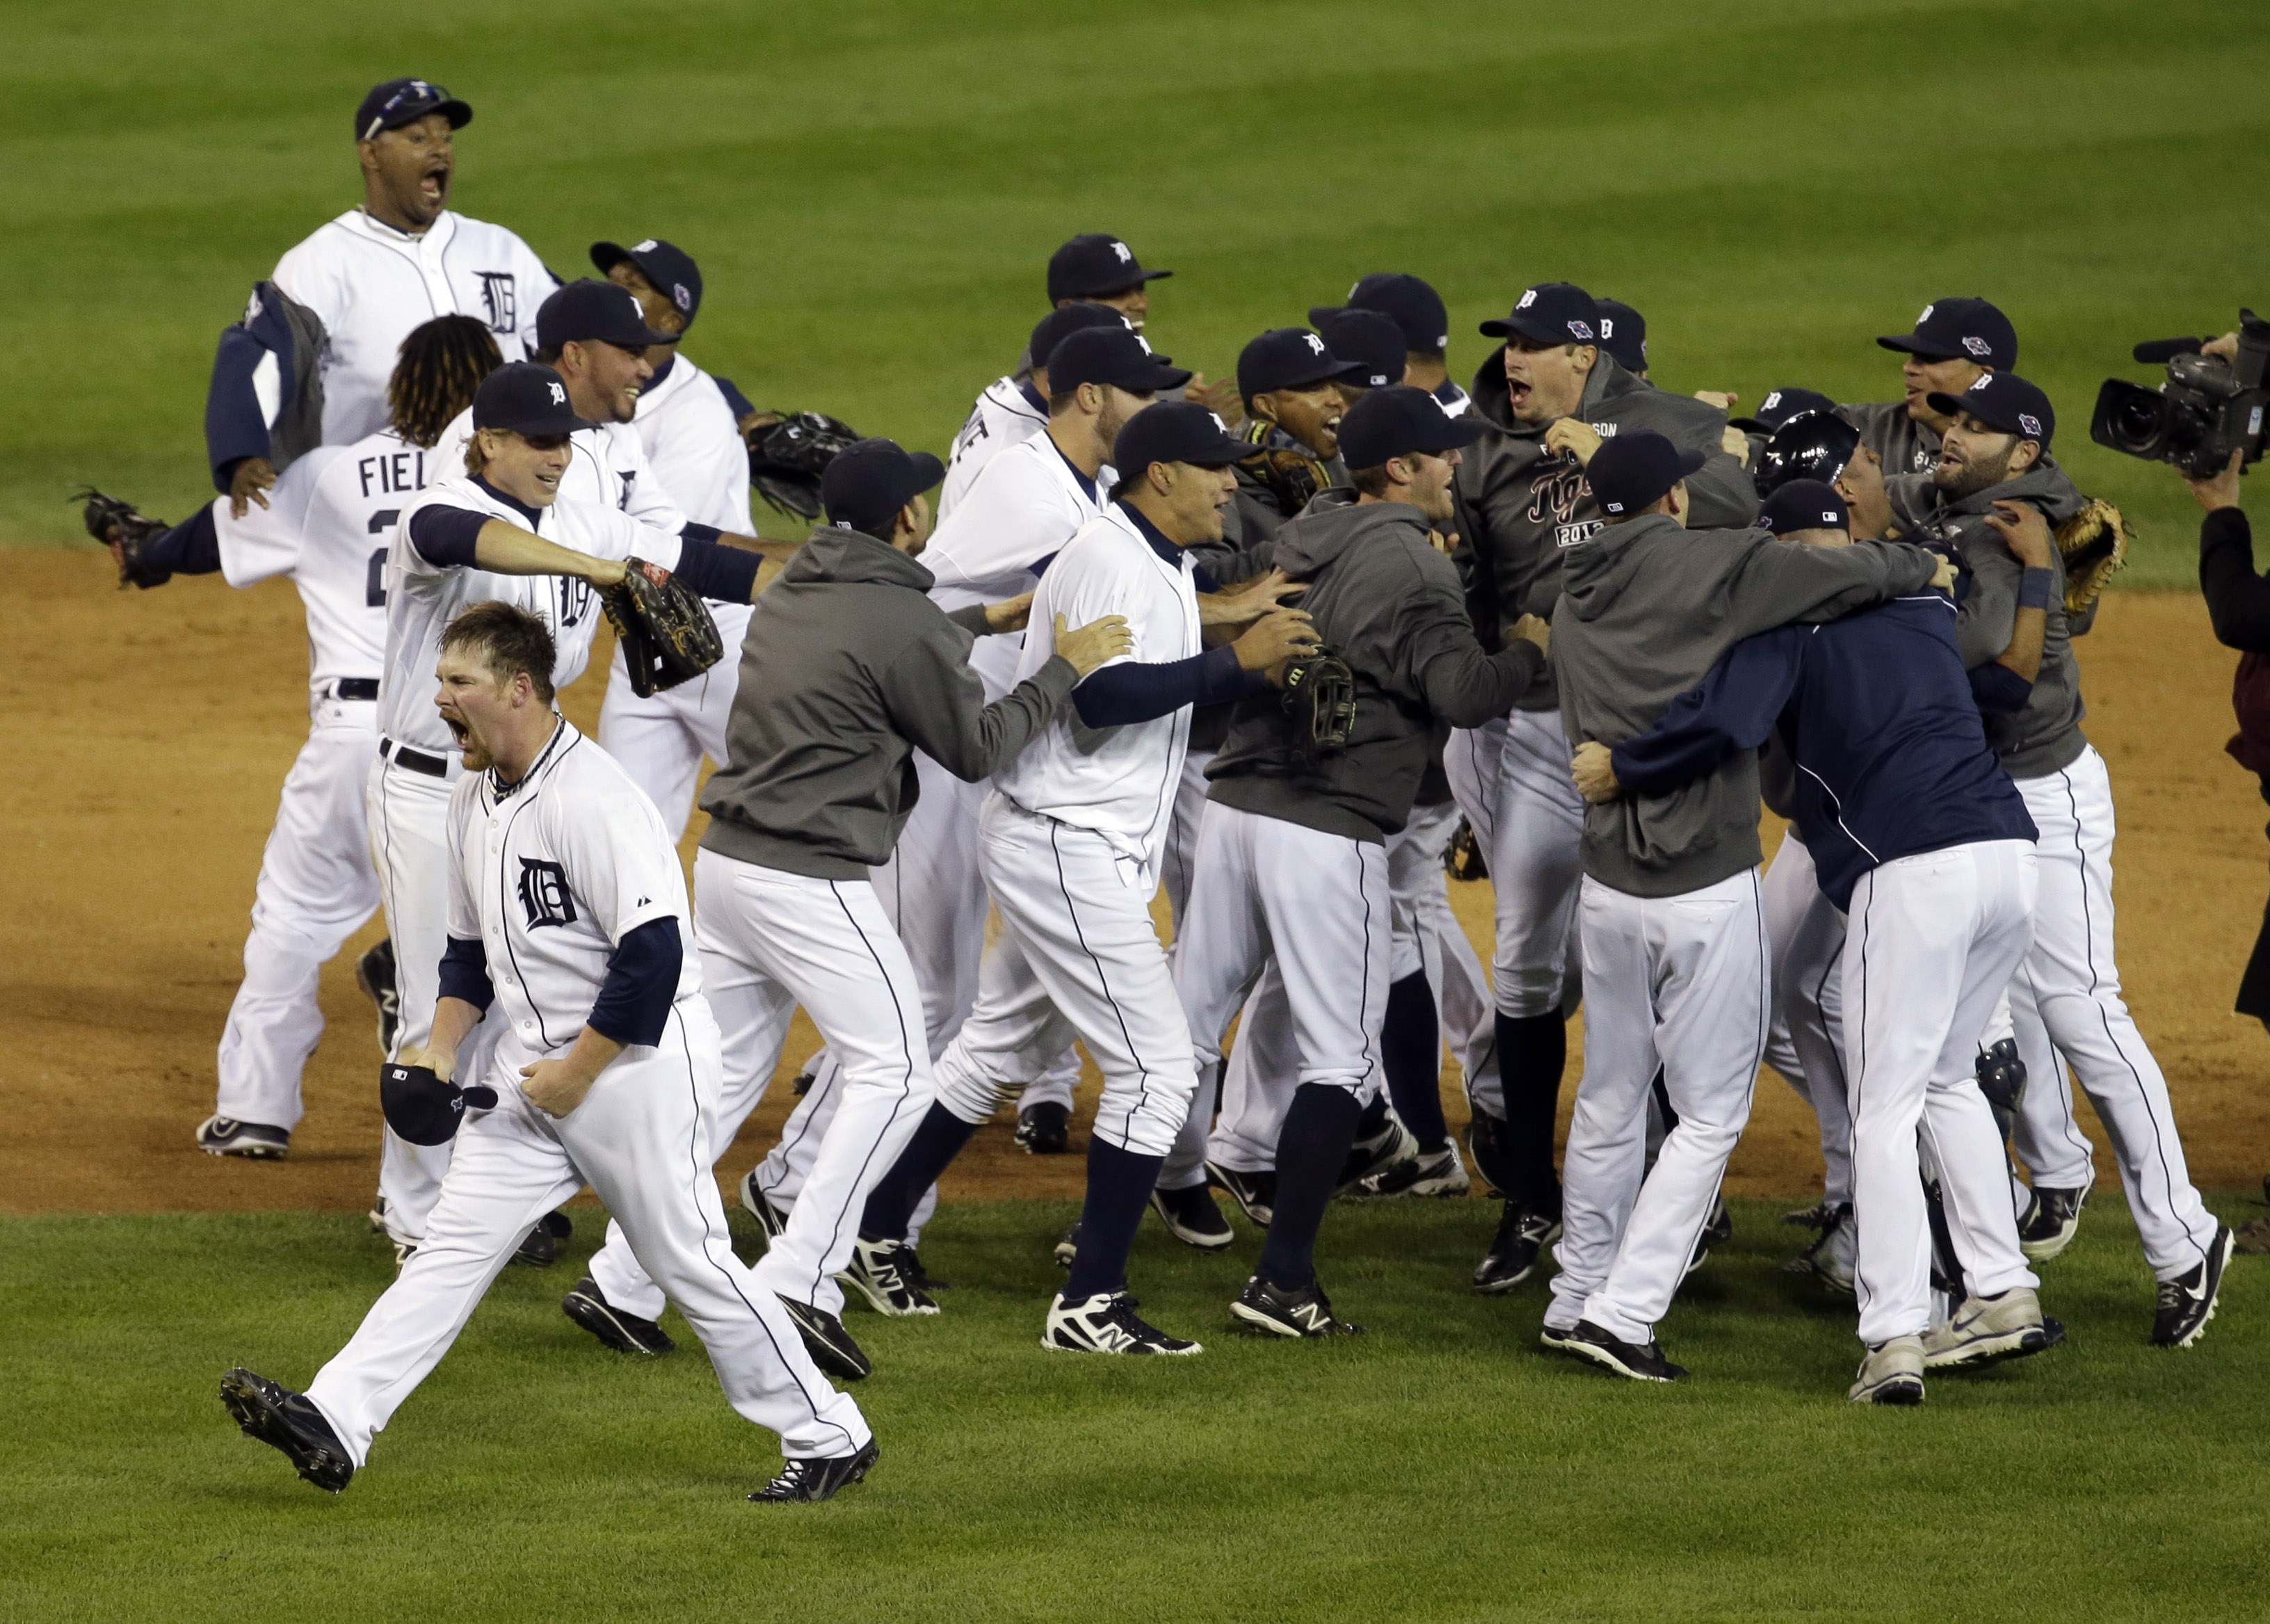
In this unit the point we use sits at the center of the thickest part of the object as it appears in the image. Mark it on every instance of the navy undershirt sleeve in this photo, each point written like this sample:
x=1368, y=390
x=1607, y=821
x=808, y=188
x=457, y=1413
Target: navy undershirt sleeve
x=699, y=532
x=642, y=984
x=444, y=537
x=724, y=573
x=191, y=548
x=465, y=973
x=1119, y=695
x=1998, y=691
x=734, y=398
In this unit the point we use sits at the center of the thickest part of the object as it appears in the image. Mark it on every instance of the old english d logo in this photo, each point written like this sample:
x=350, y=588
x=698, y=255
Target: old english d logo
x=544, y=893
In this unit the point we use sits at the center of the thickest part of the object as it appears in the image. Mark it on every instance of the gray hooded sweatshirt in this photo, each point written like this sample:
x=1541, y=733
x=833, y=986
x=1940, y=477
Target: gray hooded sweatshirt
x=1647, y=608
x=1906, y=446
x=847, y=670
x=1521, y=507
x=2046, y=737
x=1389, y=605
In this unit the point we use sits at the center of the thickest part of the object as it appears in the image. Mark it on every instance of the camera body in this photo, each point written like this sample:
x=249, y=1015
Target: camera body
x=2207, y=408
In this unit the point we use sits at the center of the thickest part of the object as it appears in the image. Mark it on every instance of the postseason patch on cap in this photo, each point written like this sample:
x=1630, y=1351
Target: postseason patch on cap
x=2031, y=424
x=1977, y=346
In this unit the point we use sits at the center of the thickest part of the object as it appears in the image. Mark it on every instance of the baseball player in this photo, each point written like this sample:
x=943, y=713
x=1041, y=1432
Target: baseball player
x=1550, y=395
x=1013, y=409
x=1415, y=307
x=851, y=668
x=1292, y=859
x=324, y=525
x=2066, y=998
x=1371, y=340
x=309, y=363
x=1623, y=334
x=1918, y=836
x=1070, y=841
x=502, y=530
x=686, y=425
x=1286, y=379
x=1955, y=340
x=1674, y=945
x=568, y=932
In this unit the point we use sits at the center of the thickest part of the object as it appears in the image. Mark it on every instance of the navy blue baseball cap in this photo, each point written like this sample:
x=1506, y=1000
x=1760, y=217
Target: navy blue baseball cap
x=1631, y=471
x=1410, y=303
x=1290, y=358
x=1805, y=505
x=1779, y=406
x=1114, y=355
x=868, y=481
x=422, y=1108
x=590, y=311
x=1371, y=340
x=1398, y=420
x=1061, y=322
x=1970, y=329
x=669, y=268
x=2006, y=401
x=1550, y=313
x=528, y=398
x=1623, y=333
x=405, y=101
x=1175, y=431
x=1095, y=263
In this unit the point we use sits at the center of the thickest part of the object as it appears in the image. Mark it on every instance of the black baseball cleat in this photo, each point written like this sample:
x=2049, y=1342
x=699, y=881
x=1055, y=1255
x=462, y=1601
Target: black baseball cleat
x=558, y=1224
x=1370, y=1158
x=374, y=975
x=1191, y=1218
x=1044, y=1130
x=1521, y=1240
x=619, y=1328
x=819, y=1478
x=1255, y=1193
x=285, y=1421
x=1106, y=1324
x=769, y=1218
x=2046, y=1227
x=118, y=526
x=2187, y=1301
x=537, y=1250
x=1633, y=1361
x=254, y=1141
x=1301, y=1311
x=888, y=1275
x=830, y=1345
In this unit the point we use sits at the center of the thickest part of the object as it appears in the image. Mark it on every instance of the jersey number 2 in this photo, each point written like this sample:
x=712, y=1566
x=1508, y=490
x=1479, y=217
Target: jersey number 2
x=374, y=586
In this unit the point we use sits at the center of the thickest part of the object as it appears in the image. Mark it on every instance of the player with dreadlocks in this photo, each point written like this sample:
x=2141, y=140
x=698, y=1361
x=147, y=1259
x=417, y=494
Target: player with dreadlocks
x=325, y=526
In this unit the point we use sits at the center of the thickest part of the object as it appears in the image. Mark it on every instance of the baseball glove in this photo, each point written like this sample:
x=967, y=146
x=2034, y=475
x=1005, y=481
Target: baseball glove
x=2095, y=542
x=668, y=636
x=1320, y=697
x=1289, y=476
x=1461, y=858
x=786, y=459
x=124, y=531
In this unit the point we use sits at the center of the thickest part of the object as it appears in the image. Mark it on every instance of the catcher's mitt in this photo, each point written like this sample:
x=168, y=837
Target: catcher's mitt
x=1461, y=858
x=124, y=531
x=1320, y=697
x=786, y=459
x=668, y=636
x=2095, y=542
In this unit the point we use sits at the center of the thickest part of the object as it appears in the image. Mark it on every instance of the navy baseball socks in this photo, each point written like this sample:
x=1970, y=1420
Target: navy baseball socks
x=938, y=1139
x=1533, y=1052
x=1119, y=1184
x=1411, y=1054
x=1319, y=1129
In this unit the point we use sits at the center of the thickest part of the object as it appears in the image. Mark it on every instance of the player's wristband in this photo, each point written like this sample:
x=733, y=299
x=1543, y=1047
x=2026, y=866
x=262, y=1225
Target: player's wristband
x=2034, y=588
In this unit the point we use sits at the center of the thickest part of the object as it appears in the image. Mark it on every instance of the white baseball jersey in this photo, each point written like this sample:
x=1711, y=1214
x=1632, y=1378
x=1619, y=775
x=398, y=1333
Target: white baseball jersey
x=422, y=597
x=1007, y=413
x=328, y=525
x=1119, y=782
x=1030, y=503
x=609, y=469
x=698, y=462
x=370, y=285
x=550, y=875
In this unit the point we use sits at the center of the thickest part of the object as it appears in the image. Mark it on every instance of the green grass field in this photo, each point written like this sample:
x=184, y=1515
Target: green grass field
x=1440, y=1467
x=872, y=187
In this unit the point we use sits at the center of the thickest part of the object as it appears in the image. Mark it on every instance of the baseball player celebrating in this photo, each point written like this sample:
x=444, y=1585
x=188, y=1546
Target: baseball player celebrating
x=1070, y=841
x=1674, y=950
x=1417, y=310
x=1013, y=409
x=1291, y=852
x=324, y=525
x=309, y=363
x=501, y=530
x=567, y=926
x=1954, y=341
x=2065, y=1000
x=1920, y=838
x=851, y=668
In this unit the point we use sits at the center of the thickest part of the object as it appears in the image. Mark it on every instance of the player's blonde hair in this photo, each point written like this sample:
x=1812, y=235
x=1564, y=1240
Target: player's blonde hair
x=439, y=367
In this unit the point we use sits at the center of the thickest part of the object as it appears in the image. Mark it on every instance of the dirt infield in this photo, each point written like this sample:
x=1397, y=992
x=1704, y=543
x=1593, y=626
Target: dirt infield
x=148, y=733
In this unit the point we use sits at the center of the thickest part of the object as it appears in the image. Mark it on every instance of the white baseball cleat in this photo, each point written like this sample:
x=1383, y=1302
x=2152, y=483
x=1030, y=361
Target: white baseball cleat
x=1106, y=1324
x=1891, y=1373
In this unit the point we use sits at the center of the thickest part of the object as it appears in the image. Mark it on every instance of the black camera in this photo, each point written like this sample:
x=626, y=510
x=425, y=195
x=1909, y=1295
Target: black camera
x=2207, y=408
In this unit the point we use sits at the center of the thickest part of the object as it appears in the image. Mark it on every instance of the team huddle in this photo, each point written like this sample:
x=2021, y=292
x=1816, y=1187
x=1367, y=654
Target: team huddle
x=1292, y=650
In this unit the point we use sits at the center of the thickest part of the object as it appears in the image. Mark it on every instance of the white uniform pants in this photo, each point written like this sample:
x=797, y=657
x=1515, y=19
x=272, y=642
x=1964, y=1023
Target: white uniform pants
x=641, y=1139
x=661, y=739
x=1077, y=957
x=1807, y=934
x=1511, y=778
x=1678, y=982
x=409, y=819
x=1931, y=942
x=316, y=888
x=2066, y=1007
x=770, y=941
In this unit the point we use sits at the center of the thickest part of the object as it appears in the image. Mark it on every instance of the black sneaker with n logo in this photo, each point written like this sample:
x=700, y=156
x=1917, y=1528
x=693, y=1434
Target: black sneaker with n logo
x=1106, y=1324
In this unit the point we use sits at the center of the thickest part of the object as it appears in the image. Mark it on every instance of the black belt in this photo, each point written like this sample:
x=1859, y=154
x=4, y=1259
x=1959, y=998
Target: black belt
x=416, y=760
x=355, y=688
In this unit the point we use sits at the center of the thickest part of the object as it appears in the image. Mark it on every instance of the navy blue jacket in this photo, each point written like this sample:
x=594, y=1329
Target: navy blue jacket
x=1882, y=721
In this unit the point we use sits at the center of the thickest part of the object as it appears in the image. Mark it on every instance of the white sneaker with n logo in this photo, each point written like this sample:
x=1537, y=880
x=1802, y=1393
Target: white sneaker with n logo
x=1106, y=1324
